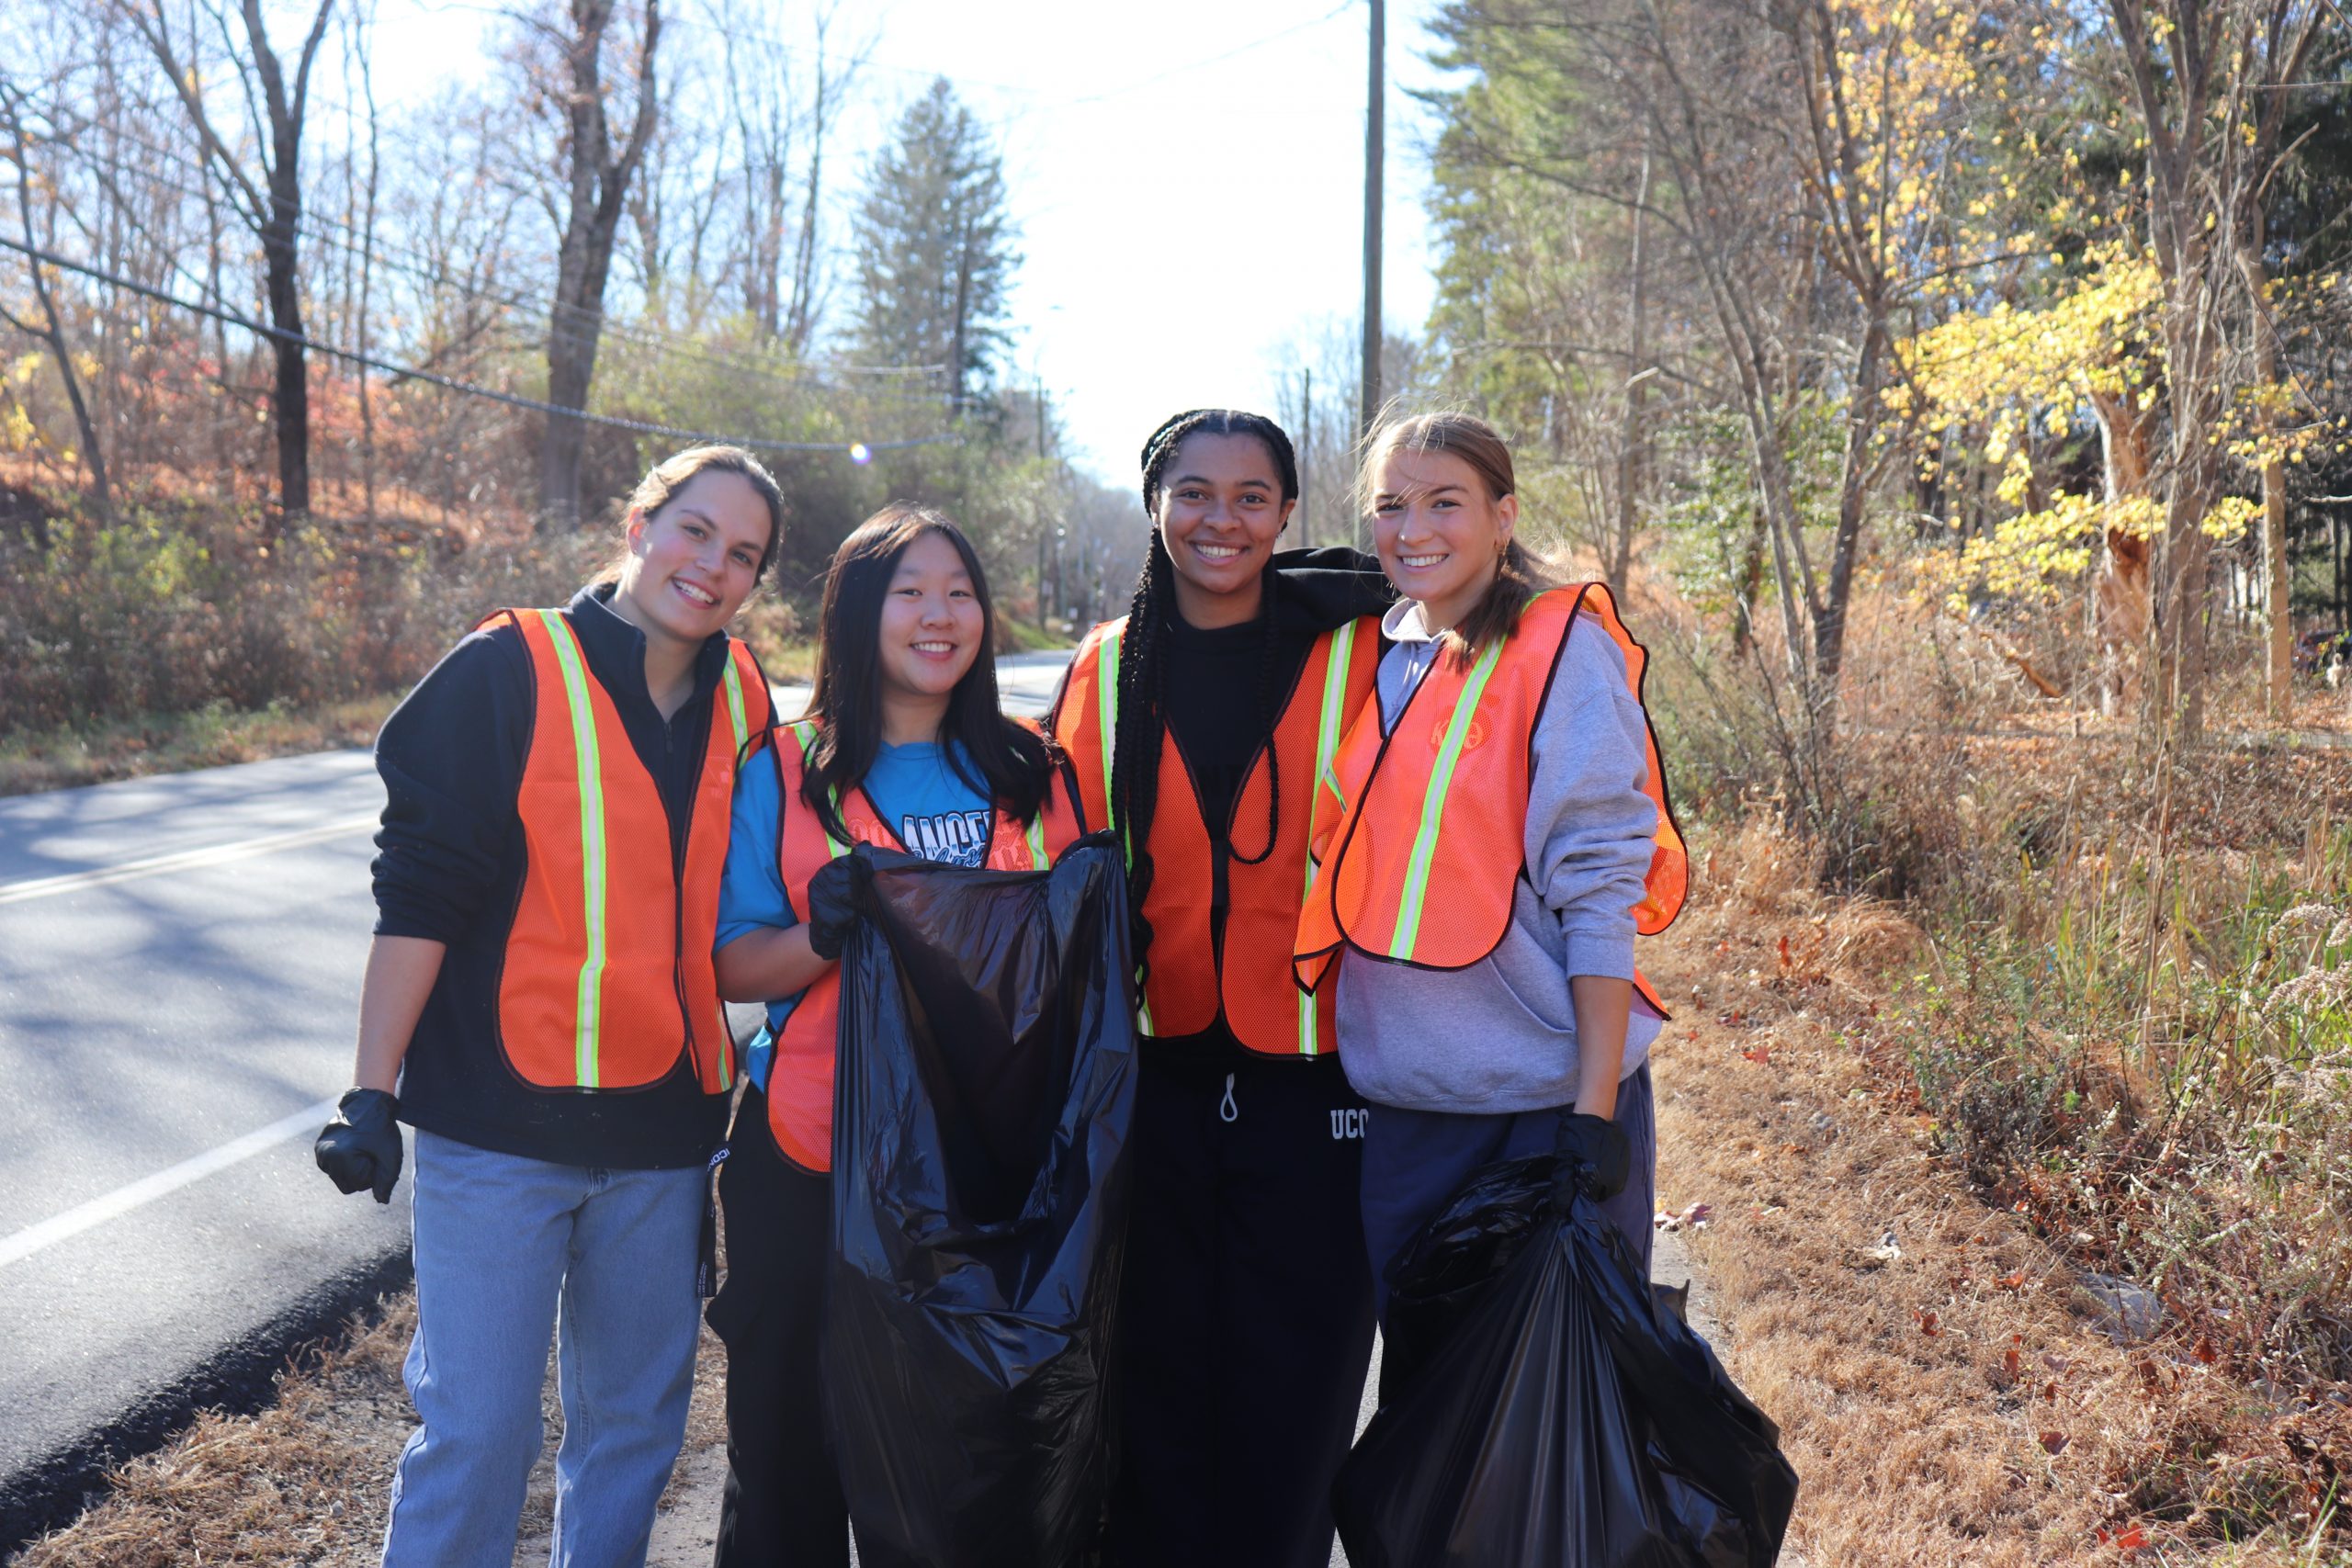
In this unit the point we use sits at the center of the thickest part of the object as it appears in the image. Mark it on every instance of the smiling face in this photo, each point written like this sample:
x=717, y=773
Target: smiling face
x=1221, y=509
x=693, y=562
x=932, y=624
x=1439, y=530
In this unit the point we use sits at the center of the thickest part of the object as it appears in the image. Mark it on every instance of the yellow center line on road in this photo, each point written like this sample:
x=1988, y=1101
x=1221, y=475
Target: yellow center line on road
x=146, y=1190
x=186, y=860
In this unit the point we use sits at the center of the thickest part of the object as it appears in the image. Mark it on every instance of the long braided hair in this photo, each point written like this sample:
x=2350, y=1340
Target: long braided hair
x=1143, y=662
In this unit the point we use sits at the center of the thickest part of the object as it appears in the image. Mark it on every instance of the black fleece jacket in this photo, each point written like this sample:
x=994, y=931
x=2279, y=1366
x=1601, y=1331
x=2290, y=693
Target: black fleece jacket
x=449, y=867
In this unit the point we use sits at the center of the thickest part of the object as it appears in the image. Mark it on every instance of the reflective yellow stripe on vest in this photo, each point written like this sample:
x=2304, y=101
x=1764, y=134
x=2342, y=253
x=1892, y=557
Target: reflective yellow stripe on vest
x=1417, y=870
x=1106, y=711
x=805, y=733
x=589, y=1006
x=1329, y=724
x=733, y=683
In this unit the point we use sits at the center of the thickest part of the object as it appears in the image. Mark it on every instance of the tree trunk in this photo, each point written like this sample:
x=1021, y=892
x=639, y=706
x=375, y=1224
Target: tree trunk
x=280, y=235
x=1630, y=439
x=2120, y=607
x=2277, y=591
x=51, y=329
x=1853, y=496
x=599, y=190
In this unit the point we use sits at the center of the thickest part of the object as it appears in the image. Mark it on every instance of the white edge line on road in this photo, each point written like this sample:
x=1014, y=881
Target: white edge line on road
x=146, y=1190
x=186, y=860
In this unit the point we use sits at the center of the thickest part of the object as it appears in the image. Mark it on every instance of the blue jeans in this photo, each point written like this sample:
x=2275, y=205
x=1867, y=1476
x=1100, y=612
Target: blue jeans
x=1415, y=1161
x=509, y=1252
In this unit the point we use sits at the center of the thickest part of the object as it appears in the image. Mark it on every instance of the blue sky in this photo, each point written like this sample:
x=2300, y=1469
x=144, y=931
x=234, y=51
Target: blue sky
x=1187, y=180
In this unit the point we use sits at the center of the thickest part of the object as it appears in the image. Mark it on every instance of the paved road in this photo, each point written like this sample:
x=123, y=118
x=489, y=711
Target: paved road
x=179, y=959
x=178, y=965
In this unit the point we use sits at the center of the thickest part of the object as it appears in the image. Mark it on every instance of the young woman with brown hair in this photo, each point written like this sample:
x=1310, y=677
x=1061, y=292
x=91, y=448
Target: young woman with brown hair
x=1490, y=838
x=540, y=998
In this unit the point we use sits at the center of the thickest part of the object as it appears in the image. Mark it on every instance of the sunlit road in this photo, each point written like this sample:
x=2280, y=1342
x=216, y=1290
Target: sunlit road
x=179, y=960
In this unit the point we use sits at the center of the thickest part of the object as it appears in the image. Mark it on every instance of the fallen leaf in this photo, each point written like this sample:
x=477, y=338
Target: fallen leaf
x=2010, y=1282
x=2204, y=1350
x=2009, y=1357
x=1760, y=1054
x=2049, y=1393
x=2127, y=1542
x=2054, y=1443
x=1784, y=954
x=1926, y=1321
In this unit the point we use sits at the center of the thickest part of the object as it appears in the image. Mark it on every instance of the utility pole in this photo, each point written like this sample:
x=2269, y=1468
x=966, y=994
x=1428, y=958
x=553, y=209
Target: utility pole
x=1375, y=94
x=1039, y=409
x=1305, y=453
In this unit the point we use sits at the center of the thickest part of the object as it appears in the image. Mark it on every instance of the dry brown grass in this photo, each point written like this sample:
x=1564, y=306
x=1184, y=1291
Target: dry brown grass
x=1921, y=1438
x=302, y=1482
x=307, y=1482
x=172, y=743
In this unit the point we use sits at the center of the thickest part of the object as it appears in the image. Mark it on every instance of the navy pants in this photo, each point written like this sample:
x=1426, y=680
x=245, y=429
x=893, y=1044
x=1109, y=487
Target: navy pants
x=1415, y=1161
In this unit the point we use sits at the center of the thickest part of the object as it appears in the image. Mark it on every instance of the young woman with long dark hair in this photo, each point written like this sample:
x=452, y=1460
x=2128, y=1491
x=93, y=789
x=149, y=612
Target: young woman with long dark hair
x=902, y=747
x=1491, y=838
x=540, y=998
x=1197, y=725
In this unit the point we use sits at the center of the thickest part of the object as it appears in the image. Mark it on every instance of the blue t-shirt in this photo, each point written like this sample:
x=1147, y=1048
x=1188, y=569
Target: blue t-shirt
x=927, y=802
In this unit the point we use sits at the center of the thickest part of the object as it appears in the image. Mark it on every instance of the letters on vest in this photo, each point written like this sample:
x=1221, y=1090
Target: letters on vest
x=1437, y=806
x=1188, y=978
x=608, y=976
x=800, y=1074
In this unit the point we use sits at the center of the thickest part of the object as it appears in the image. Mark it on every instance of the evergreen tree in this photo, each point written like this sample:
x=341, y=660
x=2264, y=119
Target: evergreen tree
x=935, y=247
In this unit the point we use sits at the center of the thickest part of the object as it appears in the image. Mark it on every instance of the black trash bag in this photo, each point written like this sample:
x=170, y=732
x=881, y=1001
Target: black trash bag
x=1561, y=1415
x=982, y=1113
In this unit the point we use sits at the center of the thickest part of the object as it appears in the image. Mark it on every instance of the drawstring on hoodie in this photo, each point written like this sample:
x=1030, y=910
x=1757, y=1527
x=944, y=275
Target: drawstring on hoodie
x=1226, y=1111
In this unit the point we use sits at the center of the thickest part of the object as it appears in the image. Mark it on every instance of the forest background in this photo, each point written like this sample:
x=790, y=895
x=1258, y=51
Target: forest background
x=1959, y=392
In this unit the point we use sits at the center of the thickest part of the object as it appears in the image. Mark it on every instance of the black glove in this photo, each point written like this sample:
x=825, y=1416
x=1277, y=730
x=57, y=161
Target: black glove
x=1597, y=1149
x=831, y=903
x=361, y=1147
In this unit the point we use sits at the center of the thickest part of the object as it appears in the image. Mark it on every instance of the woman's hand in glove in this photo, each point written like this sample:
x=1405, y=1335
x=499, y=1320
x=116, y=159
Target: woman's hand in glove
x=1598, y=1148
x=831, y=904
x=361, y=1147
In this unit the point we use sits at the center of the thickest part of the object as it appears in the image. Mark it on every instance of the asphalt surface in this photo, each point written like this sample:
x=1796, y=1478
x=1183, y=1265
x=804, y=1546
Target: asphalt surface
x=150, y=1013
x=179, y=968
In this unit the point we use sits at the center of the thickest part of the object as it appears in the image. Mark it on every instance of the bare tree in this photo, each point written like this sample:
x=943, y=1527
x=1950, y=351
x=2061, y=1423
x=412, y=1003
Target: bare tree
x=597, y=179
x=50, y=327
x=2208, y=78
x=266, y=190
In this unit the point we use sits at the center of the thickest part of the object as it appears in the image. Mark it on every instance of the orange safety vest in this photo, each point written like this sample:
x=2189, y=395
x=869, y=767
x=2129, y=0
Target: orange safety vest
x=1190, y=976
x=607, y=980
x=800, y=1074
x=1429, y=818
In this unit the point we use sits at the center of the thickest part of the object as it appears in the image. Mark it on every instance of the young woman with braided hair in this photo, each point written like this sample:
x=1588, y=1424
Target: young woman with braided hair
x=1197, y=725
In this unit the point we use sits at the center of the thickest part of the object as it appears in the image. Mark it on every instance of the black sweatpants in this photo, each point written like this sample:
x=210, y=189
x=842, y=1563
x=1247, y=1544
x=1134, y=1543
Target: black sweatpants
x=1246, y=1312
x=783, y=1506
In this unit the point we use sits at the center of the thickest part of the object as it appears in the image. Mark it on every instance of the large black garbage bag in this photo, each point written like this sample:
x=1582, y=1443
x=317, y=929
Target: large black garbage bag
x=982, y=1113
x=1559, y=1415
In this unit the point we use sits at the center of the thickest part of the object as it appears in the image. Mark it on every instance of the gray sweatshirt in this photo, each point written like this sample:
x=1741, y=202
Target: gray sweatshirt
x=1500, y=1036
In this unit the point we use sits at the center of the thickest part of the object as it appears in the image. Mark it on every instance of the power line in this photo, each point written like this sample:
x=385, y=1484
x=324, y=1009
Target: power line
x=317, y=227
x=512, y=399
